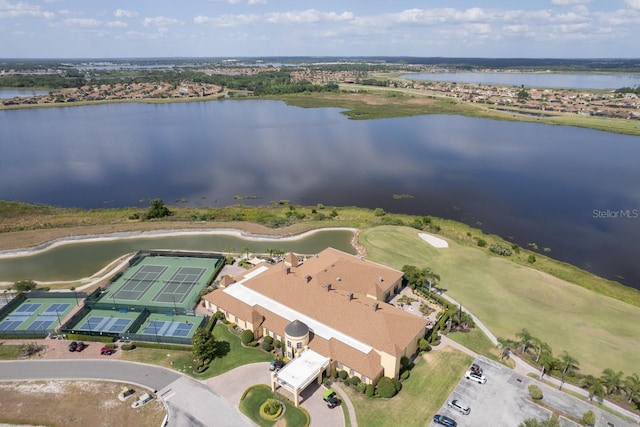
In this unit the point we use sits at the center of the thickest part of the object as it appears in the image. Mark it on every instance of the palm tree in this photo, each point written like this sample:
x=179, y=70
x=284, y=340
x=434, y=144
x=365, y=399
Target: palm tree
x=569, y=364
x=541, y=348
x=245, y=250
x=505, y=345
x=594, y=386
x=431, y=277
x=632, y=386
x=526, y=339
x=612, y=381
x=548, y=363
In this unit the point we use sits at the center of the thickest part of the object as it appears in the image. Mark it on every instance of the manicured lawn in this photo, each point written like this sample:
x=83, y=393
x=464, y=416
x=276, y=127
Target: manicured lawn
x=507, y=297
x=432, y=380
x=231, y=355
x=477, y=341
x=250, y=406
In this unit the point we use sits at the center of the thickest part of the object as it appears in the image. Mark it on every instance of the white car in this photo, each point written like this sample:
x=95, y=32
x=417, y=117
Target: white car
x=459, y=406
x=479, y=378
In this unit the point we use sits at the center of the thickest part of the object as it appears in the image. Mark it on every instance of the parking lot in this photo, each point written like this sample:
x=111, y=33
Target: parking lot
x=503, y=401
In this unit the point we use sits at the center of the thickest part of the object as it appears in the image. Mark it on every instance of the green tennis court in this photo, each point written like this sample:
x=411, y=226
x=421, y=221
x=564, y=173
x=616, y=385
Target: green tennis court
x=171, y=282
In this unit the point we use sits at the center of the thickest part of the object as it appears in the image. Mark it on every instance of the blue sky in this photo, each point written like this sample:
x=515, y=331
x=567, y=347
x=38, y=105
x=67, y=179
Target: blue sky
x=237, y=28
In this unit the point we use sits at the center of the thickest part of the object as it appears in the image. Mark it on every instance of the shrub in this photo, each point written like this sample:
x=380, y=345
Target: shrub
x=127, y=347
x=531, y=259
x=482, y=243
x=270, y=409
x=326, y=382
x=500, y=249
x=343, y=375
x=277, y=344
x=386, y=388
x=361, y=387
x=370, y=390
x=253, y=344
x=535, y=392
x=423, y=345
x=247, y=336
x=397, y=384
x=589, y=418
x=354, y=381
x=379, y=212
x=404, y=362
x=404, y=375
x=267, y=343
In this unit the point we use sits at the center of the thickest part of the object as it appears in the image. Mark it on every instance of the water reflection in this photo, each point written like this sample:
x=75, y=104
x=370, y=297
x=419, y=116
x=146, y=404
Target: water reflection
x=537, y=183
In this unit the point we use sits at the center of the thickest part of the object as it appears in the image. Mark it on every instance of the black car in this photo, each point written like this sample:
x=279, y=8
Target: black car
x=476, y=369
x=444, y=420
x=331, y=399
x=73, y=345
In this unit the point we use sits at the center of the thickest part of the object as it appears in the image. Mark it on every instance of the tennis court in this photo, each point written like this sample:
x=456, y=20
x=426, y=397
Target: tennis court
x=168, y=328
x=135, y=286
x=106, y=321
x=178, y=287
x=37, y=315
x=160, y=283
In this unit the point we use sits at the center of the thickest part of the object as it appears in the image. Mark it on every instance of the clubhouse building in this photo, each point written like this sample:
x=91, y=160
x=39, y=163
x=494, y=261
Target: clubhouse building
x=329, y=311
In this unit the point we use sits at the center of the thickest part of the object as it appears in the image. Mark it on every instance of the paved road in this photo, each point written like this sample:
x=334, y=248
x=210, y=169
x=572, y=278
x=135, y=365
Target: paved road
x=182, y=395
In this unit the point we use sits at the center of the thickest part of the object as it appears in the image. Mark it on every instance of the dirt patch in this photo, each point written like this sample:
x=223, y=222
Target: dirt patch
x=65, y=403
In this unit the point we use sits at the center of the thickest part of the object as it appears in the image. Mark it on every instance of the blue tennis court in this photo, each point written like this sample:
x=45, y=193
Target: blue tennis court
x=105, y=324
x=27, y=309
x=171, y=329
x=56, y=308
x=10, y=325
x=43, y=322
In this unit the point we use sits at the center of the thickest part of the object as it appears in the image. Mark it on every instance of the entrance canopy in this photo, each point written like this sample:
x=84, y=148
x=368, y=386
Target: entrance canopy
x=302, y=371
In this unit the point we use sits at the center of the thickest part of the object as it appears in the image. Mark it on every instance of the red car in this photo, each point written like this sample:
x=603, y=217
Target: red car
x=106, y=351
x=80, y=346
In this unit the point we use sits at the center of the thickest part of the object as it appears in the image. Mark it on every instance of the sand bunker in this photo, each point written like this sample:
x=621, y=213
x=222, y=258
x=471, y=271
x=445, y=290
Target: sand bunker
x=434, y=241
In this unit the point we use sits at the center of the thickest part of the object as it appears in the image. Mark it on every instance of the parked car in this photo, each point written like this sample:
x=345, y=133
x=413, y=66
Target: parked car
x=331, y=398
x=73, y=345
x=479, y=378
x=80, y=346
x=476, y=369
x=459, y=406
x=443, y=420
x=106, y=351
x=276, y=364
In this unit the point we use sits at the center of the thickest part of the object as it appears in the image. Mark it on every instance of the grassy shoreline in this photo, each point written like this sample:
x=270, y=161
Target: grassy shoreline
x=372, y=102
x=23, y=226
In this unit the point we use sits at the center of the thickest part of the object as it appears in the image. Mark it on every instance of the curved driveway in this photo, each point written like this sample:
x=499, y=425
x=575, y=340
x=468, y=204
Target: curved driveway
x=189, y=402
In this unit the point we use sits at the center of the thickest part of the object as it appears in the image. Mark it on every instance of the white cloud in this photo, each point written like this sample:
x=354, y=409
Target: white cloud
x=160, y=21
x=123, y=13
x=82, y=22
x=252, y=2
x=569, y=2
x=228, y=21
x=633, y=4
x=117, y=24
x=20, y=10
x=306, y=16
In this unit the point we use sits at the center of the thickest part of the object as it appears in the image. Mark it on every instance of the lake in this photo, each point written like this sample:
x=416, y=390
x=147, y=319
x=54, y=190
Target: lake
x=548, y=80
x=572, y=190
x=8, y=93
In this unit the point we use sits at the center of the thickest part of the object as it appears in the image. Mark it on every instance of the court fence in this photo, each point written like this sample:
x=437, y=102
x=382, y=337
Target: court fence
x=12, y=305
x=164, y=338
x=14, y=334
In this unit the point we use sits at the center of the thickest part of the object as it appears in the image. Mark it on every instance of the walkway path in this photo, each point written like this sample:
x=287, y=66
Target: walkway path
x=347, y=401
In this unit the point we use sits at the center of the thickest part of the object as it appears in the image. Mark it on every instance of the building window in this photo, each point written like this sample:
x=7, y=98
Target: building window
x=267, y=333
x=236, y=321
x=288, y=343
x=350, y=372
x=299, y=345
x=245, y=324
x=364, y=378
x=340, y=366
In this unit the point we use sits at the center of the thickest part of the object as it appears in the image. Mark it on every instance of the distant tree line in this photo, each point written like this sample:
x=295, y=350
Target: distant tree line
x=635, y=90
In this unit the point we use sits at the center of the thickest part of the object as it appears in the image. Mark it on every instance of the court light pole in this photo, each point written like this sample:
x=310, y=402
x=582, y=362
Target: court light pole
x=114, y=302
x=155, y=329
x=175, y=309
x=59, y=321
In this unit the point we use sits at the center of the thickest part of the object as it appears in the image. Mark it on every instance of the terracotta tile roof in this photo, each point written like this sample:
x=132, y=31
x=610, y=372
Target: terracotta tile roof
x=394, y=330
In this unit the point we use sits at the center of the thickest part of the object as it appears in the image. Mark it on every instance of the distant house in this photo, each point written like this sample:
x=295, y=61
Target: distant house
x=332, y=304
